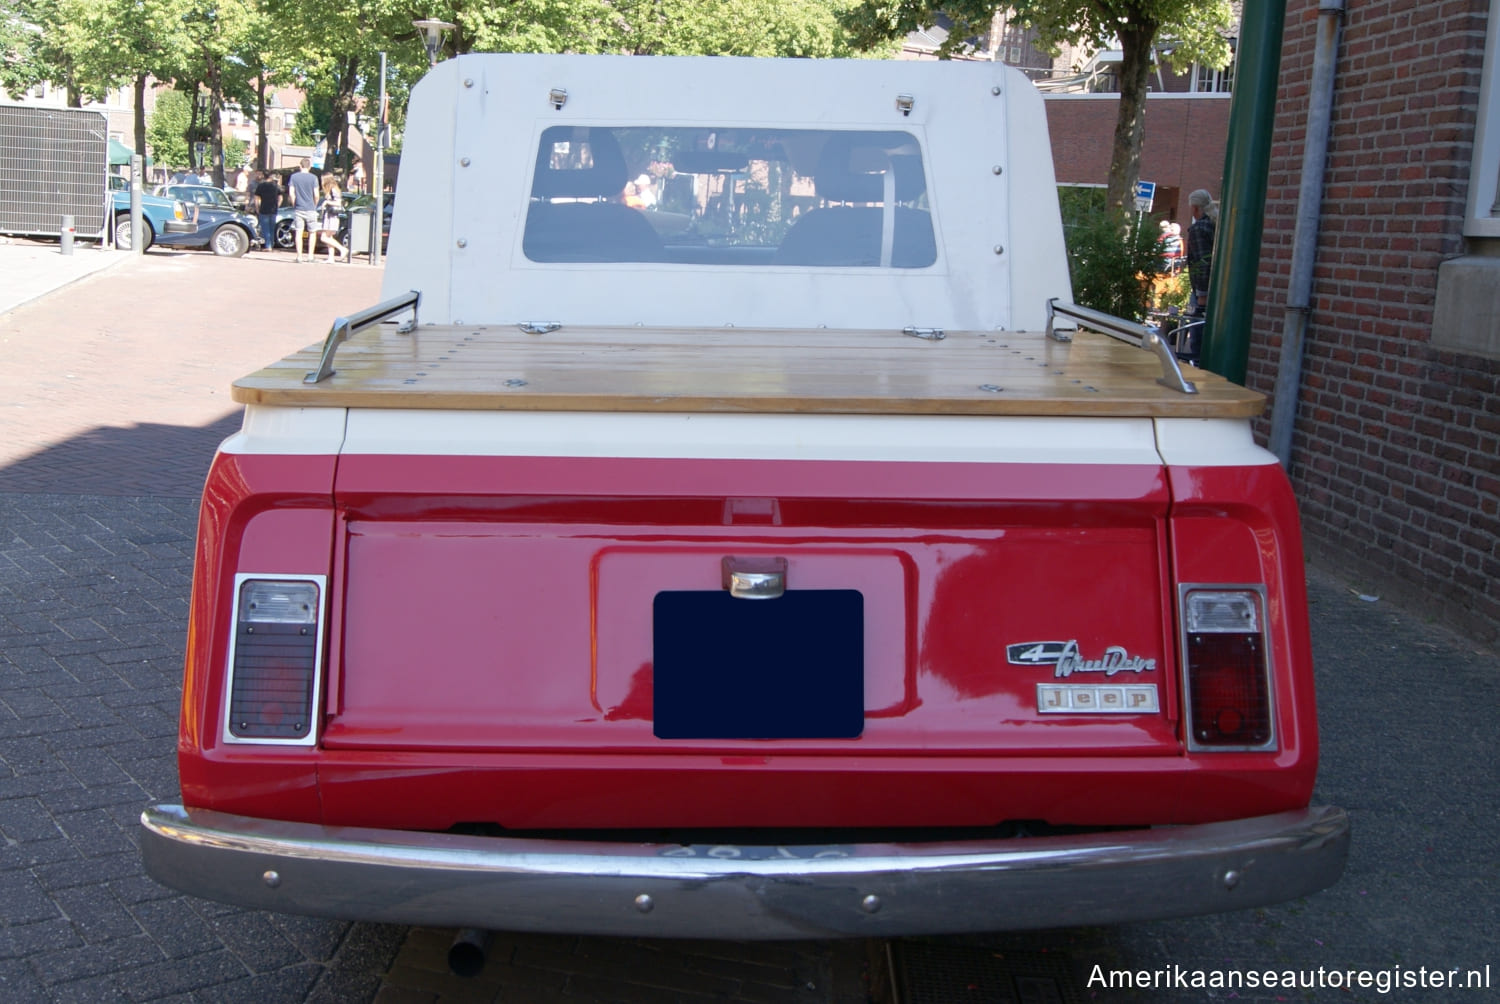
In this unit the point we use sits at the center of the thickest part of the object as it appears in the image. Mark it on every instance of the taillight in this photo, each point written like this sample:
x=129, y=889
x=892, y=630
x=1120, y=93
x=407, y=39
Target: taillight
x=274, y=660
x=1226, y=669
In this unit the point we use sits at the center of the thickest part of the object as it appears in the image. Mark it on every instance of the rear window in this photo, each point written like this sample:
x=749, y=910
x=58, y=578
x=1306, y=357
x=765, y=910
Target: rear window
x=703, y=196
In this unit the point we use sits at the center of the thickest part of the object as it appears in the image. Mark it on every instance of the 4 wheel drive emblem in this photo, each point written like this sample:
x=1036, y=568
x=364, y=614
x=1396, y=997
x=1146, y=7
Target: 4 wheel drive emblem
x=1065, y=657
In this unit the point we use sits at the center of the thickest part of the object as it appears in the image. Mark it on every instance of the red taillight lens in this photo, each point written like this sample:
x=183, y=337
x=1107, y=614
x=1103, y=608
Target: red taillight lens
x=274, y=661
x=1228, y=688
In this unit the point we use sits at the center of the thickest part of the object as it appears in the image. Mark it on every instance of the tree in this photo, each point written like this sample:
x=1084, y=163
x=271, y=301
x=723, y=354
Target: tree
x=1113, y=258
x=167, y=131
x=21, y=59
x=1196, y=30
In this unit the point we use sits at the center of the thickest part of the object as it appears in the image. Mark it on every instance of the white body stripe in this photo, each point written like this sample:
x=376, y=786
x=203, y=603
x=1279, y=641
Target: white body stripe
x=1209, y=442
x=920, y=438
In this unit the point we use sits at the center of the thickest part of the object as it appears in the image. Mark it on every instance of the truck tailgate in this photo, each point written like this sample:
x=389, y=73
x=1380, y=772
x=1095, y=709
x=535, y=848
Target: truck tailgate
x=519, y=599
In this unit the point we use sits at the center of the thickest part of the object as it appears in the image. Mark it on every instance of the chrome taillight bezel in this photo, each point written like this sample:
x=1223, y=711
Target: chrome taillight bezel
x=311, y=739
x=1258, y=590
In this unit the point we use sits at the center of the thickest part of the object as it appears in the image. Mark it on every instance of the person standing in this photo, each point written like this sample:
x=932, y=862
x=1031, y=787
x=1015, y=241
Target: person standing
x=302, y=187
x=268, y=199
x=330, y=208
x=1200, y=246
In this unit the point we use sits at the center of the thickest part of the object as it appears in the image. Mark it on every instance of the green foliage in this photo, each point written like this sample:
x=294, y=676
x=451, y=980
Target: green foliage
x=167, y=129
x=1113, y=258
x=1174, y=292
x=1196, y=29
x=236, y=153
x=22, y=60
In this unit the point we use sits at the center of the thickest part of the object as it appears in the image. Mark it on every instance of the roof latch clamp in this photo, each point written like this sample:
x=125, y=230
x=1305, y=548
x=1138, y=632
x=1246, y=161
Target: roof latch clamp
x=928, y=334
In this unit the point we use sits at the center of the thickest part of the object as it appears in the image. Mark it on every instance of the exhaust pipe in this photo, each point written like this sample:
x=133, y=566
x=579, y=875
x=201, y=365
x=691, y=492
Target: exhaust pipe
x=466, y=956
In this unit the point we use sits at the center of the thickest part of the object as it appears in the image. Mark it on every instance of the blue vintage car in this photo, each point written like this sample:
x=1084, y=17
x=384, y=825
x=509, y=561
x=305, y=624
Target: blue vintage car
x=173, y=220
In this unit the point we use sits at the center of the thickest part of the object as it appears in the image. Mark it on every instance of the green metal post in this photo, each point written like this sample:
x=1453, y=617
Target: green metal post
x=1236, y=264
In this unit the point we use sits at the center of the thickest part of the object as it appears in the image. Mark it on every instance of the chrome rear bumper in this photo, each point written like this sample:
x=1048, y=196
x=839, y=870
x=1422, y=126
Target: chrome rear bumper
x=668, y=890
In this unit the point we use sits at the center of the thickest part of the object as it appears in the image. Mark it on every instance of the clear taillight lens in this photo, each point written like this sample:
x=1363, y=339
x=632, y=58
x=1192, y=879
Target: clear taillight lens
x=1224, y=653
x=274, y=665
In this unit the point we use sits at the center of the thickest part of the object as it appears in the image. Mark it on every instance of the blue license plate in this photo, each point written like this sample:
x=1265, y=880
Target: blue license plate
x=785, y=668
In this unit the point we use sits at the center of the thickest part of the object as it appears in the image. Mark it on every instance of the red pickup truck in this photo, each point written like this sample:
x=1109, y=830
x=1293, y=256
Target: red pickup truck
x=742, y=535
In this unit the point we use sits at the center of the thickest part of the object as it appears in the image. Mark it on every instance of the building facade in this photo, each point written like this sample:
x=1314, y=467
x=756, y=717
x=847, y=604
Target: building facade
x=1396, y=444
x=282, y=106
x=1184, y=147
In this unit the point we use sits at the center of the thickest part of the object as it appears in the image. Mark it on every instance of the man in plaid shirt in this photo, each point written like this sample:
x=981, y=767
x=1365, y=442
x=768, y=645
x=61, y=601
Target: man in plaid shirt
x=1200, y=246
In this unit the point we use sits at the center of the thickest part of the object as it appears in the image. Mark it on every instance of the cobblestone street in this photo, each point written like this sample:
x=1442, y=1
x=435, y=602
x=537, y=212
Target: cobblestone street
x=113, y=395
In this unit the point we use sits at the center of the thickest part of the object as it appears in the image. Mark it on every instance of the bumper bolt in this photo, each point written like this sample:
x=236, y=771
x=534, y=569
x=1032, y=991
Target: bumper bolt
x=870, y=904
x=644, y=903
x=1231, y=879
x=271, y=879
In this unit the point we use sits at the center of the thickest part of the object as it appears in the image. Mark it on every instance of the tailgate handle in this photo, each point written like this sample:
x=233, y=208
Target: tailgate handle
x=754, y=578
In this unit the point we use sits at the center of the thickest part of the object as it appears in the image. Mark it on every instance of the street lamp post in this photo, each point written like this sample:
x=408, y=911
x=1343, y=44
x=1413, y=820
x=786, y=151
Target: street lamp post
x=432, y=34
x=377, y=222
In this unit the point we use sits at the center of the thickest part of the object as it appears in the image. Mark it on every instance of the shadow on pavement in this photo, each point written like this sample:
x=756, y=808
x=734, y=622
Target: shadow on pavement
x=149, y=459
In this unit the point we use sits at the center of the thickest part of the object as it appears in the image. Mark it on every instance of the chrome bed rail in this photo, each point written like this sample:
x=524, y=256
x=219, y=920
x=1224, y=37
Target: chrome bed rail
x=343, y=327
x=1126, y=331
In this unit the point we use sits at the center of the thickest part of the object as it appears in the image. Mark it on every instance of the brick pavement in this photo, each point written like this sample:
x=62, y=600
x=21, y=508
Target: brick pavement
x=119, y=383
x=98, y=479
x=35, y=268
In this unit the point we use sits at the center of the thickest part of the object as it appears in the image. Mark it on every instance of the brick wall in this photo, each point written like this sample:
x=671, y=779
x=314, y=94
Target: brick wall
x=1184, y=146
x=1396, y=452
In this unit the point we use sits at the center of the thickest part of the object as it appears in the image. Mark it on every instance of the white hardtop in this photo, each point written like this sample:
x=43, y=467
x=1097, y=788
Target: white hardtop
x=475, y=124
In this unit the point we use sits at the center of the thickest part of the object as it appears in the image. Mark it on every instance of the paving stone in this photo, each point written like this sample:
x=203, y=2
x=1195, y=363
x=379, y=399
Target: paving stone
x=22, y=940
x=256, y=942
x=95, y=914
x=164, y=979
x=68, y=964
x=37, y=852
x=94, y=832
x=26, y=900
x=19, y=985
x=26, y=819
x=81, y=798
x=172, y=921
x=291, y=983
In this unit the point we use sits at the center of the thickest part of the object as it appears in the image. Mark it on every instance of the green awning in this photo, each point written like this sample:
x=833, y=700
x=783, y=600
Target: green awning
x=119, y=153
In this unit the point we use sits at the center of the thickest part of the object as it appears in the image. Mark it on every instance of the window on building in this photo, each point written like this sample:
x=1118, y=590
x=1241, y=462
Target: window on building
x=1483, y=215
x=1207, y=80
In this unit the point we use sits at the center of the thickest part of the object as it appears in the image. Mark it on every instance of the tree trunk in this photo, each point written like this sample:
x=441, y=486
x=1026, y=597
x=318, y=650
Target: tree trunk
x=216, y=133
x=343, y=101
x=263, y=157
x=216, y=122
x=1136, y=39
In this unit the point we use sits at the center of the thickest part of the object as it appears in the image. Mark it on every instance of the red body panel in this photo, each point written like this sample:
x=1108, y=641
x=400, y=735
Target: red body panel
x=269, y=514
x=490, y=639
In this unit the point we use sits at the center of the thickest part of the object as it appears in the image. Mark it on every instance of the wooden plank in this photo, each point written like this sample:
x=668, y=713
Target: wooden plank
x=743, y=370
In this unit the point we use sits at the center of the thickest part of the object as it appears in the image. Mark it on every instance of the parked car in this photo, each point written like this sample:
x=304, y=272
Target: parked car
x=221, y=226
x=166, y=220
x=285, y=230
